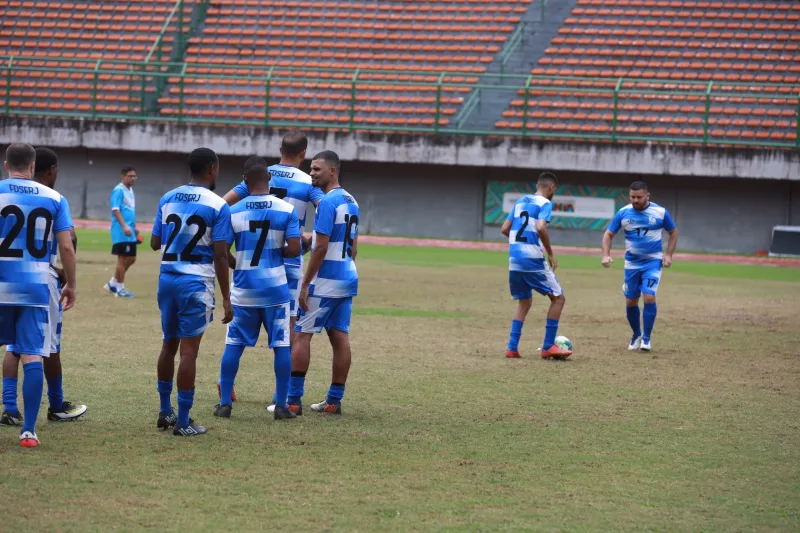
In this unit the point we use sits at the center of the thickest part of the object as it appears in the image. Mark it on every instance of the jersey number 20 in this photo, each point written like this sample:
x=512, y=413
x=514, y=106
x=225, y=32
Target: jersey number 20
x=30, y=235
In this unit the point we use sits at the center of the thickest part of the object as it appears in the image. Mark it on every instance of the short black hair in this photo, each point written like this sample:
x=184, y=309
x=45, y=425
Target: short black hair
x=293, y=143
x=330, y=157
x=547, y=178
x=125, y=170
x=254, y=161
x=200, y=159
x=45, y=160
x=639, y=186
x=257, y=174
x=19, y=156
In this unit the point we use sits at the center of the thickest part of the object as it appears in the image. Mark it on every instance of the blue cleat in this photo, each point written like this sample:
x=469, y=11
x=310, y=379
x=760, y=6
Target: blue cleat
x=108, y=287
x=124, y=293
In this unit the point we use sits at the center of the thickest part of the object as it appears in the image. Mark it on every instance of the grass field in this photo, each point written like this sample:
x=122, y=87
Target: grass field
x=440, y=431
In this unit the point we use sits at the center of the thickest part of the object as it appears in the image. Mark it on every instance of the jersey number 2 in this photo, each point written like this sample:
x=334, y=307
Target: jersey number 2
x=520, y=234
x=30, y=235
x=186, y=255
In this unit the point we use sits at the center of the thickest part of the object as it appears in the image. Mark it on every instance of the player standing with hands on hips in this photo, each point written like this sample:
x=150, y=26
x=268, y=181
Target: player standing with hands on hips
x=643, y=222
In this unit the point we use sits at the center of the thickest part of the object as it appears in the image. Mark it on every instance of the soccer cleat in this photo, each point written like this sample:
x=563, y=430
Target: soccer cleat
x=283, y=413
x=11, y=419
x=219, y=393
x=166, y=420
x=636, y=343
x=325, y=407
x=296, y=408
x=124, y=293
x=556, y=352
x=645, y=347
x=191, y=430
x=110, y=288
x=28, y=440
x=68, y=412
x=513, y=354
x=223, y=411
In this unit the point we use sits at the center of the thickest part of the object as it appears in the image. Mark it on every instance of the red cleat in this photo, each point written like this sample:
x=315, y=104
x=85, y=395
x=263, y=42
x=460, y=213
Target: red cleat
x=219, y=393
x=556, y=352
x=28, y=440
x=512, y=354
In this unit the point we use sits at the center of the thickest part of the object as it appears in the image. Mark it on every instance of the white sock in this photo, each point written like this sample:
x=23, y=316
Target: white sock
x=113, y=282
x=120, y=286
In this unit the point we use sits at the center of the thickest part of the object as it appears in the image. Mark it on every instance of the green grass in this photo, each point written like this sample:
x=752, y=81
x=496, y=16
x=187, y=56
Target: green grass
x=440, y=432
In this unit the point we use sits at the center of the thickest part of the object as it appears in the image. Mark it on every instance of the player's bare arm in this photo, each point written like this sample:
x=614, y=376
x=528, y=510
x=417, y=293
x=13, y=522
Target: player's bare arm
x=221, y=251
x=505, y=229
x=292, y=248
x=671, y=244
x=354, y=248
x=155, y=242
x=607, y=238
x=314, y=263
x=68, y=263
x=544, y=237
x=125, y=228
x=231, y=197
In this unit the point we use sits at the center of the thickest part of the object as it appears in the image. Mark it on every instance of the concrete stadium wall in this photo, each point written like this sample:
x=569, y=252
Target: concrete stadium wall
x=713, y=214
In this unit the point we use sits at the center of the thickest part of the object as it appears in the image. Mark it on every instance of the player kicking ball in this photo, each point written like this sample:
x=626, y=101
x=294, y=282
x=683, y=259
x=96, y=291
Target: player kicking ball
x=266, y=230
x=643, y=222
x=529, y=270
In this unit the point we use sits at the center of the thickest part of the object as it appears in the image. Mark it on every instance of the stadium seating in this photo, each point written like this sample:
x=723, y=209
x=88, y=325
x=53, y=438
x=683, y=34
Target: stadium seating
x=726, y=46
x=82, y=33
x=302, y=38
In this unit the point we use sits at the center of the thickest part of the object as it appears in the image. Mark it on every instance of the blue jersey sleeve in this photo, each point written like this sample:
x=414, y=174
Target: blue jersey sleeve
x=293, y=227
x=222, y=230
x=546, y=211
x=315, y=194
x=242, y=190
x=668, y=223
x=616, y=223
x=157, y=222
x=116, y=198
x=63, y=218
x=326, y=217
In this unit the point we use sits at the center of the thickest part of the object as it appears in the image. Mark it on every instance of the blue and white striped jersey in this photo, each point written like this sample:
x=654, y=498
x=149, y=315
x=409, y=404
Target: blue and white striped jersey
x=54, y=242
x=261, y=225
x=30, y=216
x=525, y=252
x=643, y=230
x=189, y=220
x=337, y=217
x=294, y=186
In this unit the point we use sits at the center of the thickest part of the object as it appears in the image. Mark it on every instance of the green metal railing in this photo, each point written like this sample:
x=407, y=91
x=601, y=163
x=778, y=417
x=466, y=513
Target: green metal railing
x=515, y=41
x=133, y=81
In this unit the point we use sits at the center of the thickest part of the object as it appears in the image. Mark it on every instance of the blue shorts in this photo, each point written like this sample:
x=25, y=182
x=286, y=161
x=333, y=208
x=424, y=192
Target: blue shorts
x=186, y=304
x=247, y=322
x=522, y=284
x=641, y=280
x=328, y=313
x=56, y=313
x=26, y=328
x=293, y=277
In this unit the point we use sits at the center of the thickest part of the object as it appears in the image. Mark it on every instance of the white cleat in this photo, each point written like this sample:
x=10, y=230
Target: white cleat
x=645, y=347
x=635, y=344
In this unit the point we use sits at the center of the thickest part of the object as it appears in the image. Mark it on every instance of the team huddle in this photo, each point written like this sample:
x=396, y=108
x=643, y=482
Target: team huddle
x=264, y=217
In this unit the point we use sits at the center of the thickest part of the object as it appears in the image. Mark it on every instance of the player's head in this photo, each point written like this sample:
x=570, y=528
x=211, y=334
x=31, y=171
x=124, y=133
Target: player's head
x=639, y=195
x=293, y=147
x=128, y=176
x=46, y=171
x=547, y=184
x=325, y=170
x=204, y=166
x=257, y=179
x=20, y=159
x=254, y=161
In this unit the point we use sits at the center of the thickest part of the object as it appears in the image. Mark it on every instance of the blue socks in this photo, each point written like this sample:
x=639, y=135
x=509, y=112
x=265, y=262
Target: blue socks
x=335, y=394
x=649, y=315
x=550, y=330
x=32, y=387
x=633, y=320
x=227, y=371
x=185, y=401
x=297, y=385
x=164, y=389
x=55, y=393
x=283, y=374
x=516, y=333
x=10, y=395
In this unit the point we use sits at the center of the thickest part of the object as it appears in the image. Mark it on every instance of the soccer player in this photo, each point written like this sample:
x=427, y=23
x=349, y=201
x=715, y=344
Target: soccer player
x=643, y=222
x=46, y=173
x=193, y=231
x=329, y=285
x=31, y=216
x=265, y=230
x=529, y=270
x=124, y=235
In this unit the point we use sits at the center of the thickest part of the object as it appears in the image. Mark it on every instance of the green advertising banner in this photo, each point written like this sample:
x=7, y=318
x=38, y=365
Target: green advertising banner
x=574, y=206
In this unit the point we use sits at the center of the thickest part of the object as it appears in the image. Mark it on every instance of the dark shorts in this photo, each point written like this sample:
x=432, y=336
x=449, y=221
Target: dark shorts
x=125, y=249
